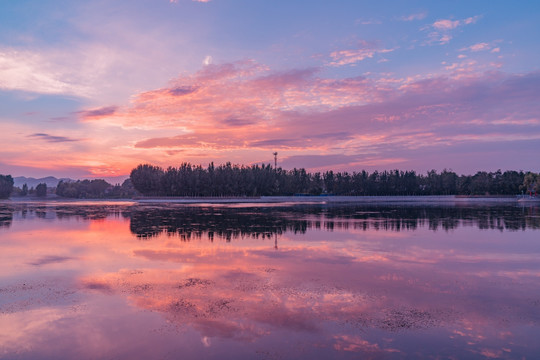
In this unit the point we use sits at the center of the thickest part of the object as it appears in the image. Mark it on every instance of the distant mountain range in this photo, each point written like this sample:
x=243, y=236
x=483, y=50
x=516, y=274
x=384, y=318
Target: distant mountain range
x=51, y=181
x=31, y=182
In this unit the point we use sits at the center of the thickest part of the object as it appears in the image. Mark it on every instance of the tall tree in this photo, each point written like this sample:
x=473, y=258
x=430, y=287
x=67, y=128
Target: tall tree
x=41, y=190
x=530, y=182
x=147, y=179
x=6, y=186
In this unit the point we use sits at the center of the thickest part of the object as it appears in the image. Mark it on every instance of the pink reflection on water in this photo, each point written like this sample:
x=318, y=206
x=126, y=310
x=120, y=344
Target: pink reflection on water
x=374, y=293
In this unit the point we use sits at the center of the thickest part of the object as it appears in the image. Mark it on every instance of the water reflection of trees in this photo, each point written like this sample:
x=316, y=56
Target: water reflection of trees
x=59, y=212
x=6, y=216
x=228, y=223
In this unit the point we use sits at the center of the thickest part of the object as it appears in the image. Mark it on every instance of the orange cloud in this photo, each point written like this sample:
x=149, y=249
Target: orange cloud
x=243, y=111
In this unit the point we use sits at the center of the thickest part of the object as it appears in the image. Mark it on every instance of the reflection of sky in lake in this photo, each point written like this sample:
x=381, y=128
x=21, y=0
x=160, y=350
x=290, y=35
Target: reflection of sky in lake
x=82, y=282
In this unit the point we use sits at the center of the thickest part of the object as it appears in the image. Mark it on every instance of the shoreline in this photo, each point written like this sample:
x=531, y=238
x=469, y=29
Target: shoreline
x=446, y=199
x=418, y=199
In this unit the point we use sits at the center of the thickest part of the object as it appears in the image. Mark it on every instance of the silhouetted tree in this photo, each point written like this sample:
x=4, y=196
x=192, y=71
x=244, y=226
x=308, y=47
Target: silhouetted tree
x=6, y=186
x=264, y=180
x=41, y=190
x=530, y=182
x=147, y=179
x=88, y=189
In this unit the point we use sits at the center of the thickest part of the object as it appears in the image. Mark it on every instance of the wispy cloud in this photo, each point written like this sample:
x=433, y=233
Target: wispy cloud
x=415, y=16
x=107, y=110
x=52, y=138
x=477, y=47
x=98, y=63
x=368, y=22
x=37, y=73
x=441, y=30
x=208, y=60
x=352, y=56
x=445, y=24
x=348, y=57
x=182, y=90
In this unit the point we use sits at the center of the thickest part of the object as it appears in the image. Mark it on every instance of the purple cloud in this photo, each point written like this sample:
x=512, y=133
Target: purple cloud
x=315, y=161
x=236, y=122
x=282, y=79
x=97, y=113
x=52, y=138
x=182, y=90
x=281, y=143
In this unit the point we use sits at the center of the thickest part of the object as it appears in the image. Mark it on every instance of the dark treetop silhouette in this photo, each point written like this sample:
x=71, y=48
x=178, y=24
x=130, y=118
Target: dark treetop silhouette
x=264, y=180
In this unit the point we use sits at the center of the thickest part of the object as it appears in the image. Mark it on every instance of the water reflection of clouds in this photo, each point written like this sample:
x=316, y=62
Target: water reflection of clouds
x=310, y=289
x=51, y=259
x=369, y=293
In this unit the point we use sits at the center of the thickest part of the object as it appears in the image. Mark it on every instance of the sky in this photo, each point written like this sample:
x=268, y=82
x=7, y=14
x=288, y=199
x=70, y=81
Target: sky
x=91, y=89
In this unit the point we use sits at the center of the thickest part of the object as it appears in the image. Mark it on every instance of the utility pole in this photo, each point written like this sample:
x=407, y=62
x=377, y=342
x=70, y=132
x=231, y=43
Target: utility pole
x=275, y=160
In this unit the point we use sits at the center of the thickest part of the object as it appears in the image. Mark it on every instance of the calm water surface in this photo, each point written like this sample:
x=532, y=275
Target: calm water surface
x=128, y=281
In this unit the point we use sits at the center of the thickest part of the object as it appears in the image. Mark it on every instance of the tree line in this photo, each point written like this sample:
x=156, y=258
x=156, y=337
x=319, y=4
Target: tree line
x=94, y=189
x=6, y=186
x=80, y=189
x=264, y=180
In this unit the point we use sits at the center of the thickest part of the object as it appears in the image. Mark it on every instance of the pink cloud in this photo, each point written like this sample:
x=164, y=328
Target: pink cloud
x=52, y=138
x=441, y=29
x=445, y=39
x=346, y=57
x=369, y=22
x=416, y=16
x=98, y=113
x=446, y=24
x=471, y=20
x=244, y=111
x=477, y=47
x=351, y=56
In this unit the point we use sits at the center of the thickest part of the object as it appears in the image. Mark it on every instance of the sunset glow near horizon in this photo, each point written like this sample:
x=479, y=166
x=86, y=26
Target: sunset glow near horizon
x=92, y=89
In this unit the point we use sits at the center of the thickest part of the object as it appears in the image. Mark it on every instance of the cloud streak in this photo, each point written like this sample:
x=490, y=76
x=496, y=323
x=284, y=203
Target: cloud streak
x=52, y=138
x=23, y=70
x=415, y=16
x=365, y=50
x=103, y=111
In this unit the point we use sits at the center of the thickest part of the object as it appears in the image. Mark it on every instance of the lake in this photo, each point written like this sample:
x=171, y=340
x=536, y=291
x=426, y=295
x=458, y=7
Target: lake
x=121, y=280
